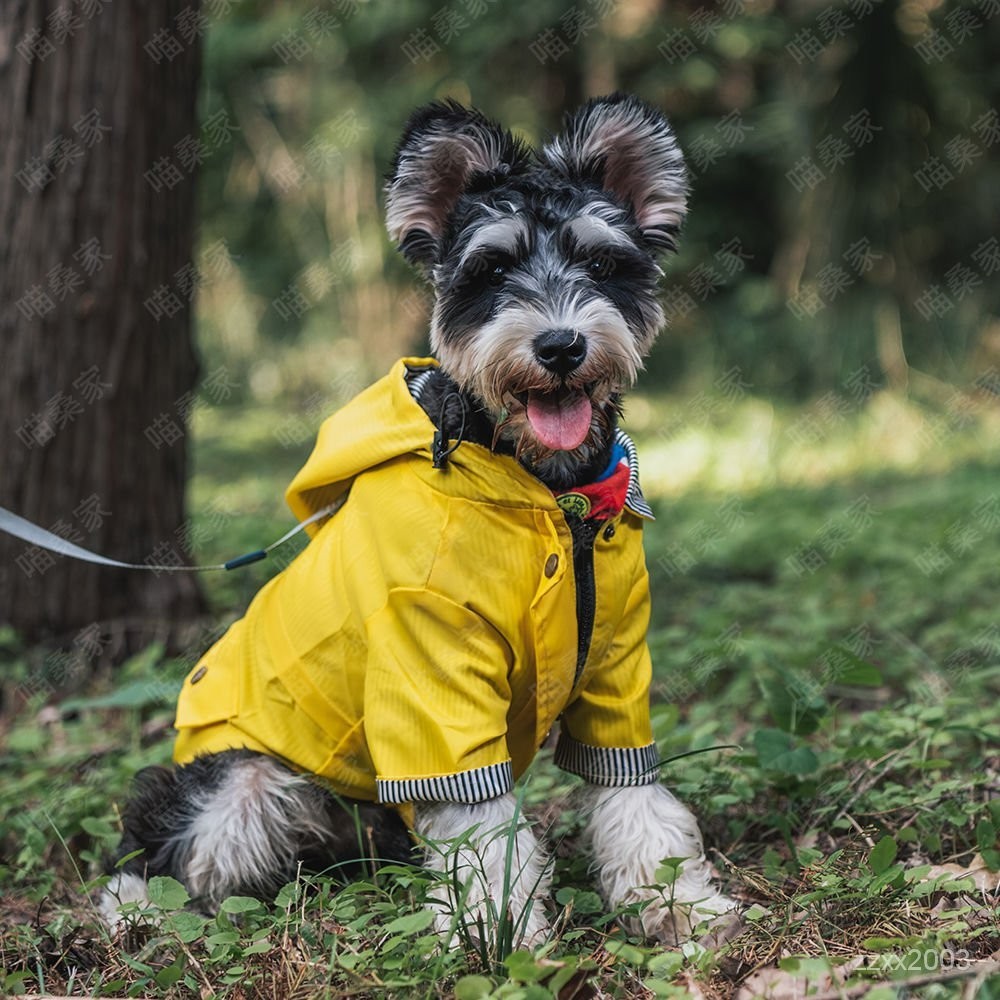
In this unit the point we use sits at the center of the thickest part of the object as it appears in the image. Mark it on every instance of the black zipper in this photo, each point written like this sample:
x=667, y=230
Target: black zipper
x=584, y=532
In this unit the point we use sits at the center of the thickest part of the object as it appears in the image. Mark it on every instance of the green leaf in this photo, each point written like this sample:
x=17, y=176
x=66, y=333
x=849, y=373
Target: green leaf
x=473, y=988
x=410, y=923
x=532, y=992
x=625, y=951
x=583, y=901
x=563, y=975
x=168, y=976
x=14, y=982
x=289, y=893
x=933, y=764
x=858, y=673
x=137, y=694
x=128, y=857
x=894, y=875
x=882, y=855
x=134, y=963
x=240, y=904
x=222, y=938
x=662, y=988
x=98, y=826
x=668, y=870
x=666, y=964
x=812, y=969
x=521, y=965
x=776, y=751
x=186, y=925
x=258, y=947
x=986, y=835
x=793, y=702
x=882, y=943
x=167, y=893
x=27, y=740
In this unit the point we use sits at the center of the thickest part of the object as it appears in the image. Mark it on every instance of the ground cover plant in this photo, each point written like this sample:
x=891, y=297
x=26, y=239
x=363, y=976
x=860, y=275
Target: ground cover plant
x=827, y=655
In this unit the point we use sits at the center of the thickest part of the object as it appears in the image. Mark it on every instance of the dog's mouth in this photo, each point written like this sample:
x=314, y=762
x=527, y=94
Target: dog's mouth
x=560, y=418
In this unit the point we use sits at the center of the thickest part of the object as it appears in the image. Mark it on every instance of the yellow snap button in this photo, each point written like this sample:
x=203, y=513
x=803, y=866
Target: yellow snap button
x=198, y=674
x=551, y=565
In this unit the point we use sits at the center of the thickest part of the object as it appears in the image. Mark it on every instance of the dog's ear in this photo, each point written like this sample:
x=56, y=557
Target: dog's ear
x=628, y=148
x=445, y=150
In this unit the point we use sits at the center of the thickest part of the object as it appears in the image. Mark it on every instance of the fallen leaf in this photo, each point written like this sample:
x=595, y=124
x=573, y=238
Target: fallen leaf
x=780, y=984
x=985, y=880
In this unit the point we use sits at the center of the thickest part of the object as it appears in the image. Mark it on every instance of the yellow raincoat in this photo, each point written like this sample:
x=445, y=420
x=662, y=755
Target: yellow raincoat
x=425, y=642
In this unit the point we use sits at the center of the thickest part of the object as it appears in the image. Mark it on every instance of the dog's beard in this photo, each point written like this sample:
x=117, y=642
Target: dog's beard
x=545, y=417
x=515, y=425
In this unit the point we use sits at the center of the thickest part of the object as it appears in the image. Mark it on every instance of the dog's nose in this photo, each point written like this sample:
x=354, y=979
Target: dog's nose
x=561, y=351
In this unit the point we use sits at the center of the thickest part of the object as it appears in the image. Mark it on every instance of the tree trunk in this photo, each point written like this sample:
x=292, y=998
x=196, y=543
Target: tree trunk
x=96, y=358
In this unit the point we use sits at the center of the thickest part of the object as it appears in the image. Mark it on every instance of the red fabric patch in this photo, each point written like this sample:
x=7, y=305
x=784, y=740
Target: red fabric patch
x=598, y=501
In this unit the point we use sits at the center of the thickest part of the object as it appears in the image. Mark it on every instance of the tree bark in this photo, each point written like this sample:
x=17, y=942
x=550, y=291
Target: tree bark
x=96, y=355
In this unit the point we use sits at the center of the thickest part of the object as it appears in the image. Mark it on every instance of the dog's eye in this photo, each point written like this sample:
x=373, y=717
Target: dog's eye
x=489, y=269
x=600, y=268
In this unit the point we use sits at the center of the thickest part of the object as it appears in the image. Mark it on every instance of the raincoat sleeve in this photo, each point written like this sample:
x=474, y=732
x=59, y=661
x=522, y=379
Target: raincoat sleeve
x=605, y=736
x=436, y=698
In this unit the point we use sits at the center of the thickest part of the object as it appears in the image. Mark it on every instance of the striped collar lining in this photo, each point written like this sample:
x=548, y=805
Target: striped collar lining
x=634, y=499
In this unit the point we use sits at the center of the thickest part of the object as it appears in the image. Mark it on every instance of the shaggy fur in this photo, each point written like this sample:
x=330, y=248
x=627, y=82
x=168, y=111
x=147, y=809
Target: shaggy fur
x=544, y=270
x=241, y=823
x=471, y=842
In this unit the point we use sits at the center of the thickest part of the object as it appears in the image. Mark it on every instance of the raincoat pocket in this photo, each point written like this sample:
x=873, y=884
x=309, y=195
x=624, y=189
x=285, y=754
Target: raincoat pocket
x=211, y=692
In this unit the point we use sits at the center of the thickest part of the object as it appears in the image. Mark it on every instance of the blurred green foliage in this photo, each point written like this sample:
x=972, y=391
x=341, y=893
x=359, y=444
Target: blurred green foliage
x=846, y=187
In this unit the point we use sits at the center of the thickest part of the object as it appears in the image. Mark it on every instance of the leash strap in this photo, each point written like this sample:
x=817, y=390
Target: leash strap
x=21, y=528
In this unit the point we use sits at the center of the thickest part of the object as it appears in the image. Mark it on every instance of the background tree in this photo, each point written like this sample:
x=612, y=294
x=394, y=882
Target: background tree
x=841, y=237
x=96, y=281
x=811, y=128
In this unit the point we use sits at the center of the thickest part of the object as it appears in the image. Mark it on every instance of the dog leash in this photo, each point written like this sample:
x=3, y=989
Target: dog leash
x=24, y=529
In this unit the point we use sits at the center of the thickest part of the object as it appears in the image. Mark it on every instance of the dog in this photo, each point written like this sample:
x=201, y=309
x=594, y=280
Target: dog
x=480, y=580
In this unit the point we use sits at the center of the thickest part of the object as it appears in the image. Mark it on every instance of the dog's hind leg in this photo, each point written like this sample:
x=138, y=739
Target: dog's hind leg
x=241, y=823
x=152, y=820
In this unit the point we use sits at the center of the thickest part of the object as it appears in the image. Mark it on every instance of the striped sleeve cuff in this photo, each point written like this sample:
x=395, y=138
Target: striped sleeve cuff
x=475, y=785
x=613, y=767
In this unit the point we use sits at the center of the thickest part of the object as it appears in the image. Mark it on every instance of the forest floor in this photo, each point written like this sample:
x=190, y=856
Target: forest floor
x=825, y=631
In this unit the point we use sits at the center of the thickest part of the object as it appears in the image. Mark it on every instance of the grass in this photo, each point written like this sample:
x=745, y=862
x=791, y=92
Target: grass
x=826, y=602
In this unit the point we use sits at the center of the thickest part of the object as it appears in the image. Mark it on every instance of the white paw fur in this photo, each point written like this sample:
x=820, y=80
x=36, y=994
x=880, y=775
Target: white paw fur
x=631, y=831
x=472, y=842
x=123, y=888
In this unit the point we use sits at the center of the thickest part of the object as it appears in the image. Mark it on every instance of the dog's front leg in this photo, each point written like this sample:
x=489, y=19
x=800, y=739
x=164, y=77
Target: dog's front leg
x=631, y=831
x=497, y=867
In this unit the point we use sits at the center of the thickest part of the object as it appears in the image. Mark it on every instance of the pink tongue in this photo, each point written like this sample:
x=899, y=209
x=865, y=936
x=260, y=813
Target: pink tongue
x=560, y=424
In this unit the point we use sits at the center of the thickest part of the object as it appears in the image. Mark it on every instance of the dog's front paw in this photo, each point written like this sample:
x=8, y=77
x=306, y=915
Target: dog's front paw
x=634, y=830
x=495, y=875
x=671, y=915
x=122, y=890
x=477, y=922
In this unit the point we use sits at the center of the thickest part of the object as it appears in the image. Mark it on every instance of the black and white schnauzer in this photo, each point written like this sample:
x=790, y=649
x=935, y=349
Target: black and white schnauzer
x=481, y=579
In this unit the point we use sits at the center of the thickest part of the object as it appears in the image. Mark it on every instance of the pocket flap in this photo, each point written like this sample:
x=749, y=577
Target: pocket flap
x=211, y=692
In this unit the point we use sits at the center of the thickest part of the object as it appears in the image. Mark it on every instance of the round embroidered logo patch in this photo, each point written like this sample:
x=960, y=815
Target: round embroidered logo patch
x=574, y=503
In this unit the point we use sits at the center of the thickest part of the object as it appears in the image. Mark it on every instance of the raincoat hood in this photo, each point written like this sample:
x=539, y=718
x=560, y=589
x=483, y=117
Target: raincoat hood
x=381, y=423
